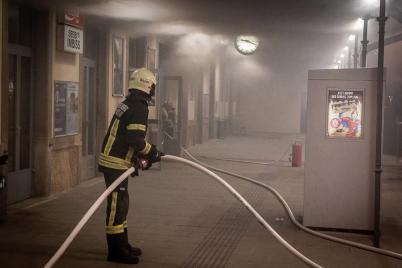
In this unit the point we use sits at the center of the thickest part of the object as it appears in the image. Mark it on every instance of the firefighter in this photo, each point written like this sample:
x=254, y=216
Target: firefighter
x=123, y=146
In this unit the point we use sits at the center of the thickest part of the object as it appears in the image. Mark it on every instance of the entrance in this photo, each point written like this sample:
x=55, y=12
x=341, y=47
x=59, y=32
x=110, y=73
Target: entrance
x=171, y=114
x=19, y=123
x=88, y=85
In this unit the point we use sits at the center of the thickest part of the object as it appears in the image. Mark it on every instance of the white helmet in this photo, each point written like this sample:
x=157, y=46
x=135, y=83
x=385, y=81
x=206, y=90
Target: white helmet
x=142, y=79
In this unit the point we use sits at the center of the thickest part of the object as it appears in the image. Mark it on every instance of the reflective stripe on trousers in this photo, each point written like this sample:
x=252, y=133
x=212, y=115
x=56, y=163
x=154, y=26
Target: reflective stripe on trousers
x=117, y=204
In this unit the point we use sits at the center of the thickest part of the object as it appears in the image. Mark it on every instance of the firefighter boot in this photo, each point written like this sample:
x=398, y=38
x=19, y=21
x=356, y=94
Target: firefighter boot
x=134, y=251
x=118, y=250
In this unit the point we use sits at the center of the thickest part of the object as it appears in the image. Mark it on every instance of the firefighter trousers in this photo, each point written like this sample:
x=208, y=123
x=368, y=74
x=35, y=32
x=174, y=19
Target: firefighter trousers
x=116, y=211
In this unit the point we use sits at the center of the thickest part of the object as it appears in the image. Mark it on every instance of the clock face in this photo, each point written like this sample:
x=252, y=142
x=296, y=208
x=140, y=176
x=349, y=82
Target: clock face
x=246, y=44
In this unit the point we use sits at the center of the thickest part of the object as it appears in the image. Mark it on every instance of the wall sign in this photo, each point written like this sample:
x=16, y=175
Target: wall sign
x=73, y=40
x=71, y=17
x=65, y=108
x=74, y=18
x=345, y=113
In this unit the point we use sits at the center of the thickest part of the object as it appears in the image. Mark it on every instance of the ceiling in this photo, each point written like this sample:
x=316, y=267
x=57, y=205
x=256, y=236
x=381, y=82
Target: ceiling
x=293, y=33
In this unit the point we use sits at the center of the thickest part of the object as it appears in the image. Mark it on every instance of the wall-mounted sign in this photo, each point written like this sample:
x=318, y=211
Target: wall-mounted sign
x=73, y=40
x=73, y=18
x=345, y=113
x=65, y=108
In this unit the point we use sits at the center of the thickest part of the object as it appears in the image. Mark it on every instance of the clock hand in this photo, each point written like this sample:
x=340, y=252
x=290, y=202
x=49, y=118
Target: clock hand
x=248, y=41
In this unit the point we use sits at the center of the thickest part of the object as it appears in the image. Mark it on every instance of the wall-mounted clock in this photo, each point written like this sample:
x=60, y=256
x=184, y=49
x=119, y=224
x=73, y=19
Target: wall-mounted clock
x=246, y=44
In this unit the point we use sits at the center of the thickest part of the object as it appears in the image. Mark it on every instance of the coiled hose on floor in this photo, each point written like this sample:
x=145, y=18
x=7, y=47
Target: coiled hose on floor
x=119, y=180
x=293, y=218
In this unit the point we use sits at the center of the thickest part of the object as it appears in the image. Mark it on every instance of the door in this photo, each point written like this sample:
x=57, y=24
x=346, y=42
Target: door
x=171, y=114
x=88, y=84
x=19, y=123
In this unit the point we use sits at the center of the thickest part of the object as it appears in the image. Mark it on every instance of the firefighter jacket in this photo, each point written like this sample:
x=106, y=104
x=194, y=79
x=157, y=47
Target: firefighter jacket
x=125, y=138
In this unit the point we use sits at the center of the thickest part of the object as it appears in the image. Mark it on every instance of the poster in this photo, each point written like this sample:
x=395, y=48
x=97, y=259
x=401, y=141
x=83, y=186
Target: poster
x=345, y=113
x=65, y=108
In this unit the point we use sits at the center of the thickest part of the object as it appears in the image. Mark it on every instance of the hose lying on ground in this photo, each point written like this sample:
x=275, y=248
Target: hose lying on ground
x=293, y=218
x=86, y=217
x=249, y=161
x=119, y=180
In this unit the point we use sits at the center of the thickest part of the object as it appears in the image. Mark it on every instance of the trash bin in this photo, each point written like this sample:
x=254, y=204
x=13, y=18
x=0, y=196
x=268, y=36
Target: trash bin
x=3, y=186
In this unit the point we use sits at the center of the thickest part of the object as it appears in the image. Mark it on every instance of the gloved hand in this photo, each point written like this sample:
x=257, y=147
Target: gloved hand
x=144, y=164
x=154, y=155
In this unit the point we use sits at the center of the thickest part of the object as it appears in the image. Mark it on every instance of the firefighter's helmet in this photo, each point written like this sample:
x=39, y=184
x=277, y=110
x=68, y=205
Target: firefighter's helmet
x=142, y=79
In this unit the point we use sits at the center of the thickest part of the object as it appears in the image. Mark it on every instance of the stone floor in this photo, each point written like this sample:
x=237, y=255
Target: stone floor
x=182, y=218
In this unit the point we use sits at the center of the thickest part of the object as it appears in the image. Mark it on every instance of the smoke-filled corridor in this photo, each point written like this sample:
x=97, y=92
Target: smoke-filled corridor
x=302, y=97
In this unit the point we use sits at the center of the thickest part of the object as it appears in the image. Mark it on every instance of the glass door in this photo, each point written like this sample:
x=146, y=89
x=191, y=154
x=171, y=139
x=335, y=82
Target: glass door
x=171, y=114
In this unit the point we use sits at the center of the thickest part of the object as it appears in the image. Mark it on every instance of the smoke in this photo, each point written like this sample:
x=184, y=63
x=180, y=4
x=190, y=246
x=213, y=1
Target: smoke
x=295, y=36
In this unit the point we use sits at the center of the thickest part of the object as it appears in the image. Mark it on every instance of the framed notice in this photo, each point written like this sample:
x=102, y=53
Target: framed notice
x=118, y=66
x=65, y=108
x=345, y=113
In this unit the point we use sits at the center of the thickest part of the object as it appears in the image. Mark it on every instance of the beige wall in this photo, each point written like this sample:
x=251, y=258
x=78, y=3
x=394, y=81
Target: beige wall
x=64, y=155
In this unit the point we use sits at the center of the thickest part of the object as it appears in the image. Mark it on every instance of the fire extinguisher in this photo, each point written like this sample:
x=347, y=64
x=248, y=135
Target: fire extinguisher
x=296, y=154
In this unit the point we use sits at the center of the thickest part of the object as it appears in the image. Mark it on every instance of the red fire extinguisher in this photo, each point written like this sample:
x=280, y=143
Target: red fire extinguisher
x=297, y=154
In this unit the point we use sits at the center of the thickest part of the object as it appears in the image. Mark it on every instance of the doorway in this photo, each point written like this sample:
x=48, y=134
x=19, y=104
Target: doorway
x=19, y=123
x=89, y=137
x=171, y=114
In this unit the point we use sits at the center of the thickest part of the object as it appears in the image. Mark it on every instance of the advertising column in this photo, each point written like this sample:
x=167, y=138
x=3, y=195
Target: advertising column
x=340, y=150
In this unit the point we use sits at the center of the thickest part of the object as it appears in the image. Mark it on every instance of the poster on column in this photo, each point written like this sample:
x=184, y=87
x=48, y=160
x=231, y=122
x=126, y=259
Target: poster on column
x=345, y=113
x=65, y=108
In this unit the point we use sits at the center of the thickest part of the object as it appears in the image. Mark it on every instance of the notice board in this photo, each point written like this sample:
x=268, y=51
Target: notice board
x=65, y=108
x=340, y=149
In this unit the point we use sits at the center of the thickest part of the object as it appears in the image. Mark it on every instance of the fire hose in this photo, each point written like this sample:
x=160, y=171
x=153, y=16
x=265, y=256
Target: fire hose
x=124, y=176
x=293, y=218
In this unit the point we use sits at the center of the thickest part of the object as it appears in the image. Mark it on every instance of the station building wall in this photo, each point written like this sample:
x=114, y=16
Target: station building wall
x=393, y=86
x=58, y=163
x=3, y=84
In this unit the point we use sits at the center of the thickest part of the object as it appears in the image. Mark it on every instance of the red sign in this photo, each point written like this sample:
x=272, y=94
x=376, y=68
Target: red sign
x=73, y=18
